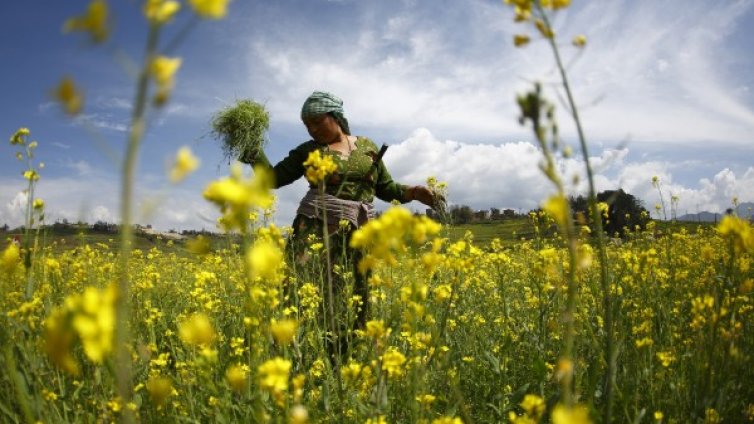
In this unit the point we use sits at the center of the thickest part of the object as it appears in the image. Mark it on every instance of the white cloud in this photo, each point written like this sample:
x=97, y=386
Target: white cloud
x=119, y=103
x=102, y=121
x=651, y=71
x=14, y=210
x=508, y=175
x=81, y=167
x=96, y=198
x=479, y=175
x=100, y=213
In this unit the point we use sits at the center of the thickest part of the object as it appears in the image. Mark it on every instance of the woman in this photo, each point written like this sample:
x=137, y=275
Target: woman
x=361, y=175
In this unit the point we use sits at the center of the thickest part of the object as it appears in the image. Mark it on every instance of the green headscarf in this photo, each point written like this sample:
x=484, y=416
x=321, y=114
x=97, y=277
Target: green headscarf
x=320, y=103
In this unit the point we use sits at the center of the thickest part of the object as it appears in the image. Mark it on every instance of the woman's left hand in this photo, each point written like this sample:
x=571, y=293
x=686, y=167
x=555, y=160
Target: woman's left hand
x=422, y=194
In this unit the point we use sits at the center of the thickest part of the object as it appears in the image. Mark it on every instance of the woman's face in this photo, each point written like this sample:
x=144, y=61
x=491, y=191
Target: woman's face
x=324, y=129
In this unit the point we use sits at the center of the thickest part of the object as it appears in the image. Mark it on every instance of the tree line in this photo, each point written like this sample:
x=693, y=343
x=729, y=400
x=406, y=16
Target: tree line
x=624, y=212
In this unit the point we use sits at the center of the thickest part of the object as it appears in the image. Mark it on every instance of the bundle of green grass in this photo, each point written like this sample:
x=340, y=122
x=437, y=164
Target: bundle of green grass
x=241, y=129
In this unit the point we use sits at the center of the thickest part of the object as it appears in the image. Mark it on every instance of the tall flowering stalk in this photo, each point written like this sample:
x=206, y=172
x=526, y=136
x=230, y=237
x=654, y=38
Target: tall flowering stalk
x=34, y=205
x=536, y=12
x=541, y=114
x=160, y=71
x=318, y=168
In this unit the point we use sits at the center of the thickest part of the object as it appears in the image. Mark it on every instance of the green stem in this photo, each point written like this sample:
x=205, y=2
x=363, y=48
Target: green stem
x=27, y=236
x=123, y=356
x=331, y=295
x=597, y=219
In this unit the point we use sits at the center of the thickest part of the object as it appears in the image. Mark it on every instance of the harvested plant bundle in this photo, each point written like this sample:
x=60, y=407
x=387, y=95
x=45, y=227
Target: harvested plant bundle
x=241, y=129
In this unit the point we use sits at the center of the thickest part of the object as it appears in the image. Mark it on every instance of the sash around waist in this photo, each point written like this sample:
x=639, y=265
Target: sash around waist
x=357, y=213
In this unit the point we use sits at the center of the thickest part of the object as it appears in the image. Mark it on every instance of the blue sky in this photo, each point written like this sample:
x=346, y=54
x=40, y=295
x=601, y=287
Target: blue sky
x=665, y=88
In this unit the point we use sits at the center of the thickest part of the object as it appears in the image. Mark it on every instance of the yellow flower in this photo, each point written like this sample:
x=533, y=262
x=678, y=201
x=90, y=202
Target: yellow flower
x=226, y=191
x=376, y=329
x=557, y=207
x=351, y=372
x=318, y=167
x=159, y=388
x=210, y=9
x=577, y=414
x=447, y=420
x=11, y=258
x=524, y=4
x=520, y=40
x=426, y=399
x=264, y=259
x=163, y=71
x=443, y=292
x=48, y=395
x=382, y=237
x=236, y=196
x=164, y=68
x=299, y=415
x=555, y=4
x=196, y=330
x=38, y=204
x=392, y=363
x=318, y=368
x=185, y=163
x=711, y=416
x=544, y=29
x=94, y=321
x=236, y=377
x=59, y=338
x=534, y=406
x=579, y=40
x=659, y=415
x=522, y=14
x=298, y=386
x=31, y=175
x=584, y=253
x=90, y=316
x=69, y=96
x=738, y=231
x=93, y=21
x=283, y=331
x=161, y=11
x=273, y=375
x=18, y=138
x=666, y=358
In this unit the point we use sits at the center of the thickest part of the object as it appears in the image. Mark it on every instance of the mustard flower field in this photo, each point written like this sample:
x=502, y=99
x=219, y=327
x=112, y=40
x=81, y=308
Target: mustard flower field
x=457, y=332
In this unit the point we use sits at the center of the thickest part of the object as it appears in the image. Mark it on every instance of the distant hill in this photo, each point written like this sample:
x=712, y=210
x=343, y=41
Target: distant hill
x=745, y=210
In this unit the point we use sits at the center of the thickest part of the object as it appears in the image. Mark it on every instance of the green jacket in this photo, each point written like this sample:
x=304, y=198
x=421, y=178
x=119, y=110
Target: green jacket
x=356, y=177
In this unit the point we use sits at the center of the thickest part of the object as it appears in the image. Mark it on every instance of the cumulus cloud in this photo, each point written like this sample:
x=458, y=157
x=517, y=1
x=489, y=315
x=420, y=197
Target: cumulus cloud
x=508, y=175
x=14, y=210
x=479, y=175
x=100, y=213
x=95, y=198
x=651, y=71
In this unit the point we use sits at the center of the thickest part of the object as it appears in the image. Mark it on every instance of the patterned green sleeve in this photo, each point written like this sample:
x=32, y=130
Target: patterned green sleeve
x=291, y=168
x=386, y=189
x=287, y=170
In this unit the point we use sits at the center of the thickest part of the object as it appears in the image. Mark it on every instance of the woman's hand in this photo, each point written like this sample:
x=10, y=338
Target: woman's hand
x=421, y=194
